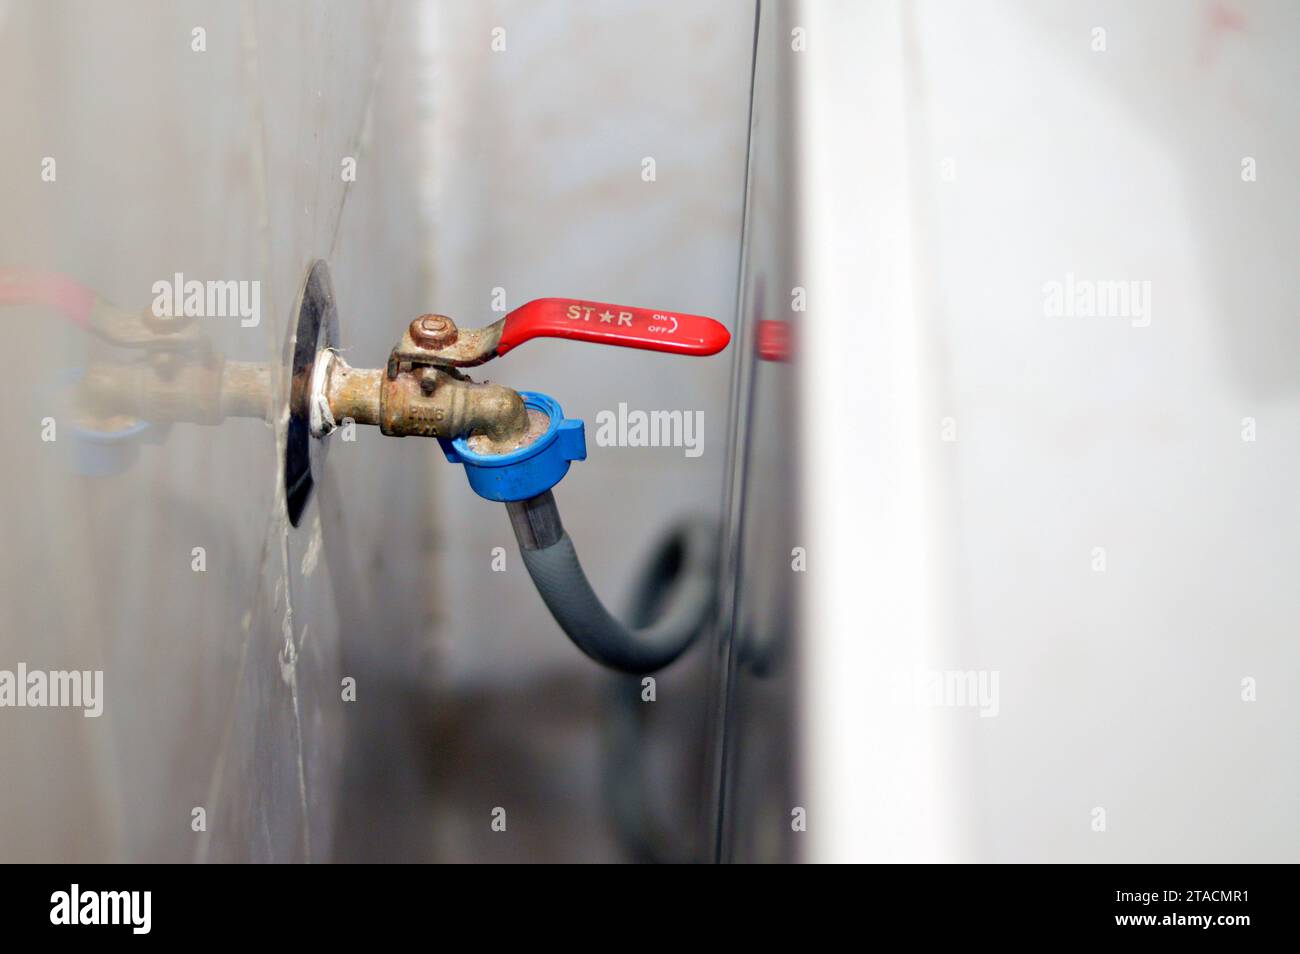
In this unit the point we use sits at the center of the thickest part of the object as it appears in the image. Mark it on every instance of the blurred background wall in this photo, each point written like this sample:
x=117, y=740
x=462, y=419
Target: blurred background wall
x=1170, y=445
x=1097, y=505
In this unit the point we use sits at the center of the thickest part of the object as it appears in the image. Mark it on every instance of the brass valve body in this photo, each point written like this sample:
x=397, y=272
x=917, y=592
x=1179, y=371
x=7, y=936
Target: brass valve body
x=426, y=402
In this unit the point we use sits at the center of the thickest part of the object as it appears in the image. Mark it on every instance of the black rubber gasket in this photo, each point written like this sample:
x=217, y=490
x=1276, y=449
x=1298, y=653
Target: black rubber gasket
x=316, y=328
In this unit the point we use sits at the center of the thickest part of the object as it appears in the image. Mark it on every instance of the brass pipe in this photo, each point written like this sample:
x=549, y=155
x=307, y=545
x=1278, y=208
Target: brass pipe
x=354, y=392
x=245, y=389
x=195, y=392
x=418, y=402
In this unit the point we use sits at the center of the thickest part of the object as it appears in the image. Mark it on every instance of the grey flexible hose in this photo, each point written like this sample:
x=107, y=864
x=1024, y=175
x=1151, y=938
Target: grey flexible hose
x=633, y=791
x=553, y=564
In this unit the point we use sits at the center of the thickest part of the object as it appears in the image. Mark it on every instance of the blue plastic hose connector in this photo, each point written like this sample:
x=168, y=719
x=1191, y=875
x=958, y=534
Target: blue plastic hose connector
x=531, y=470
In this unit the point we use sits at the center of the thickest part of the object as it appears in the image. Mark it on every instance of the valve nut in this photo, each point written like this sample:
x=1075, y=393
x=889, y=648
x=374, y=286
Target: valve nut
x=434, y=331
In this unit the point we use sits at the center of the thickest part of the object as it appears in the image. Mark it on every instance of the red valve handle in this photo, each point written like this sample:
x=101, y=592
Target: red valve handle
x=19, y=287
x=601, y=323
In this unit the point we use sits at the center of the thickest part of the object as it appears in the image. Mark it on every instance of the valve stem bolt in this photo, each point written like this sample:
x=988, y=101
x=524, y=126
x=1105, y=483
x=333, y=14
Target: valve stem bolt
x=434, y=331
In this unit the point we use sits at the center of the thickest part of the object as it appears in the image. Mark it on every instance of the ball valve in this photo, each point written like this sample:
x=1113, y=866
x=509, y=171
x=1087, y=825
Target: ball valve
x=516, y=446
